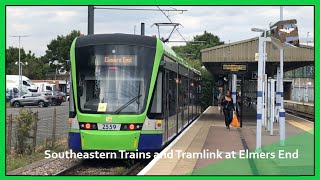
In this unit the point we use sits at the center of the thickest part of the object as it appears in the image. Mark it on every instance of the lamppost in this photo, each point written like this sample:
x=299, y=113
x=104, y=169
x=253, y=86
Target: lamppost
x=66, y=70
x=56, y=63
x=307, y=37
x=260, y=91
x=21, y=64
x=20, y=79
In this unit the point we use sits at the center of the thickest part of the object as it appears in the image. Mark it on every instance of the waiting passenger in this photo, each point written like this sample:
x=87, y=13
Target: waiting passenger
x=228, y=108
x=239, y=104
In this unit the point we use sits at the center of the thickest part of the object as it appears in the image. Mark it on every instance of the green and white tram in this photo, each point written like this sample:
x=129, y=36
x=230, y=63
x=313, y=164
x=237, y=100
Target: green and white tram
x=129, y=92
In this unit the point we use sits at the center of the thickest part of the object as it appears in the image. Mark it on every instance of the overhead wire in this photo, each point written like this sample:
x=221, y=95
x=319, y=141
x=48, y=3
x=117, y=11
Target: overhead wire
x=172, y=22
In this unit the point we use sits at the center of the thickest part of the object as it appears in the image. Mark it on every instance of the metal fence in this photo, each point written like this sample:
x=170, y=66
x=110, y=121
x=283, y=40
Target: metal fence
x=302, y=72
x=302, y=94
x=52, y=124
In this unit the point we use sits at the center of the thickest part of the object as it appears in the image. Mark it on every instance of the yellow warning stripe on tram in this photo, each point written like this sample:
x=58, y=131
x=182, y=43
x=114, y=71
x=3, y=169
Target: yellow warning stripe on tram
x=301, y=126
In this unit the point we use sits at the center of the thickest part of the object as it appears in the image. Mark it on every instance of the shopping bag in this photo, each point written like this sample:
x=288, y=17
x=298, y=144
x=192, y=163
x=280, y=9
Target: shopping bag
x=235, y=122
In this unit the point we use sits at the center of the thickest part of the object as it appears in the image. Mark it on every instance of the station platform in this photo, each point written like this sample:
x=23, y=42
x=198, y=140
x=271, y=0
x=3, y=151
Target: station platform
x=209, y=134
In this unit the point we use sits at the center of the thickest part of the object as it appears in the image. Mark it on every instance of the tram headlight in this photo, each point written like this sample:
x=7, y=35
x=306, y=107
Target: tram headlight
x=131, y=127
x=88, y=126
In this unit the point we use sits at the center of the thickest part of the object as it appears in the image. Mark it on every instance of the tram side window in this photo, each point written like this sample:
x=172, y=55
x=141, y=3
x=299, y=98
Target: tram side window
x=172, y=93
x=72, y=113
x=156, y=104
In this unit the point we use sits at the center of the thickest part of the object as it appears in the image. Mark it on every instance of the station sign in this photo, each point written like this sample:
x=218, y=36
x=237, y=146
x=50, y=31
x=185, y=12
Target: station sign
x=286, y=31
x=256, y=56
x=235, y=68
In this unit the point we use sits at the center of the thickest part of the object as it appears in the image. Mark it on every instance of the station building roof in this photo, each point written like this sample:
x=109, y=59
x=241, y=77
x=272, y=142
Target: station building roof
x=244, y=52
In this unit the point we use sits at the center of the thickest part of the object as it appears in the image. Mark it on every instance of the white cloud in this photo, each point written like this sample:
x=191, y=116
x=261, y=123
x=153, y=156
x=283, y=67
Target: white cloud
x=44, y=23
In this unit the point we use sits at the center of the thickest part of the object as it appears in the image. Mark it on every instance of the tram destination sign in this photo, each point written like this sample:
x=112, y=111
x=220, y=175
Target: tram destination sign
x=234, y=68
x=121, y=60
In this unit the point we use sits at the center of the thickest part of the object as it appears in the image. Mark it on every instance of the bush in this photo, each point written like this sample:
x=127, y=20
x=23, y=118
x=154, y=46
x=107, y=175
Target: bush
x=206, y=89
x=25, y=123
x=207, y=83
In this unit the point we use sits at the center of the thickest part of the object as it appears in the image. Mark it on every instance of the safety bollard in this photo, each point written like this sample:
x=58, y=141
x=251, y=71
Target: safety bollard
x=272, y=97
x=282, y=126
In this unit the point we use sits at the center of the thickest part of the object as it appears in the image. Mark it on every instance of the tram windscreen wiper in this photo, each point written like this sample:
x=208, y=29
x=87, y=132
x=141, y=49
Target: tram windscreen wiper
x=130, y=102
x=127, y=104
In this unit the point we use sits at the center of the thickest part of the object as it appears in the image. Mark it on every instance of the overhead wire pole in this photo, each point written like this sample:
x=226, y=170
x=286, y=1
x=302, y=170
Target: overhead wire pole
x=20, y=73
x=90, y=20
x=92, y=8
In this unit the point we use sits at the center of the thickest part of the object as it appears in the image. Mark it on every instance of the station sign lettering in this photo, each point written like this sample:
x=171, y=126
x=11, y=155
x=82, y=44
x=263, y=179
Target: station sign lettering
x=235, y=68
x=120, y=60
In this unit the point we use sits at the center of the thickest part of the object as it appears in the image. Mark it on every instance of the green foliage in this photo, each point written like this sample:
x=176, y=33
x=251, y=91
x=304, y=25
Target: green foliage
x=206, y=90
x=22, y=160
x=207, y=83
x=35, y=68
x=12, y=56
x=191, y=52
x=25, y=123
x=192, y=49
x=58, y=49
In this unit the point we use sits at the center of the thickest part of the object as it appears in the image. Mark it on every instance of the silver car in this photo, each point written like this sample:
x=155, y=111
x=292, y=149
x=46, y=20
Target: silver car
x=31, y=99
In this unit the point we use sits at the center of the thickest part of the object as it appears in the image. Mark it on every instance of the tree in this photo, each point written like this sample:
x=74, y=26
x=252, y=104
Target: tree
x=35, y=68
x=191, y=52
x=59, y=48
x=192, y=49
x=12, y=56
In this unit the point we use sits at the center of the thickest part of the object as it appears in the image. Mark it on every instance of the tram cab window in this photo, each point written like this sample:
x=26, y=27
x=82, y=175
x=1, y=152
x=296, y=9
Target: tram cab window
x=156, y=101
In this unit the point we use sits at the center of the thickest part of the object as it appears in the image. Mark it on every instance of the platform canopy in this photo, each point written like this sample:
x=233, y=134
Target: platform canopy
x=243, y=54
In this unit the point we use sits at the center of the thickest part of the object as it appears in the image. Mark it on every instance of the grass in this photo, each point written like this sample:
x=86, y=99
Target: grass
x=16, y=161
x=8, y=105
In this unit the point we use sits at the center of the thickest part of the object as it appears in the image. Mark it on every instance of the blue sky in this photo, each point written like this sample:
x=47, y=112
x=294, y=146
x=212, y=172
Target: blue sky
x=230, y=23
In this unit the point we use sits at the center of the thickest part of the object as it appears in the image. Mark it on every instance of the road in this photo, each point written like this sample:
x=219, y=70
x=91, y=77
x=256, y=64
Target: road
x=46, y=120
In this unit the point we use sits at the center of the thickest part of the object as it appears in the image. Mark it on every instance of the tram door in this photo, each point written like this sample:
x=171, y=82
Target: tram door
x=165, y=101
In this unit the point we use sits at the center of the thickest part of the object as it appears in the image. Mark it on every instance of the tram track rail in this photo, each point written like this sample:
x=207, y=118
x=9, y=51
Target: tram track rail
x=306, y=116
x=104, y=167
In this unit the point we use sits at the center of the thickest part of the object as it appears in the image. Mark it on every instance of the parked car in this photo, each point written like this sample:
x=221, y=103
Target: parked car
x=64, y=98
x=11, y=93
x=56, y=98
x=31, y=99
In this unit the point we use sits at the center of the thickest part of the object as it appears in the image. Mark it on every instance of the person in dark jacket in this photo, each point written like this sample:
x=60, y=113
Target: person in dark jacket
x=228, y=108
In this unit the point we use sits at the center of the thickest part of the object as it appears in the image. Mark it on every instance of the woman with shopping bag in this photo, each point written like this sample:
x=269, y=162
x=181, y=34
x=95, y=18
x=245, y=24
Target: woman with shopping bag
x=228, y=108
x=235, y=122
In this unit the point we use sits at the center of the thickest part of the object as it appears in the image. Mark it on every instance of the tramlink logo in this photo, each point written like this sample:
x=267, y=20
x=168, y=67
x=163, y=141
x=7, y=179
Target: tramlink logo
x=109, y=119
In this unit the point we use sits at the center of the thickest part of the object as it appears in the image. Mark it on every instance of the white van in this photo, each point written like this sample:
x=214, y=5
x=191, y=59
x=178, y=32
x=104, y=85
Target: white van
x=44, y=87
x=27, y=85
